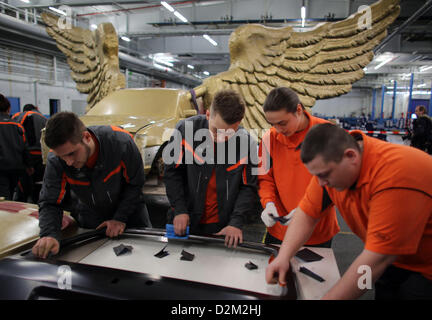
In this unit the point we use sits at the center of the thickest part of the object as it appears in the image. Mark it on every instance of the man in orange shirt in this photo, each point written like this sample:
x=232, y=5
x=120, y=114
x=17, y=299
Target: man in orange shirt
x=285, y=183
x=384, y=193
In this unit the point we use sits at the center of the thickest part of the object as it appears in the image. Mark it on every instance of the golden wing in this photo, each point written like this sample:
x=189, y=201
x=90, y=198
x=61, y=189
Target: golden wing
x=318, y=64
x=92, y=57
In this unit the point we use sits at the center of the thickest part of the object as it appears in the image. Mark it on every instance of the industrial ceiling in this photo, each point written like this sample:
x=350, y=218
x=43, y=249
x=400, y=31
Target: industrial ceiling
x=188, y=40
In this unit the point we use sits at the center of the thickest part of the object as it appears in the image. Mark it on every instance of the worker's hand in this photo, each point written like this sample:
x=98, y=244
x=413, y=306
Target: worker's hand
x=233, y=236
x=44, y=246
x=181, y=221
x=288, y=218
x=269, y=211
x=114, y=228
x=276, y=271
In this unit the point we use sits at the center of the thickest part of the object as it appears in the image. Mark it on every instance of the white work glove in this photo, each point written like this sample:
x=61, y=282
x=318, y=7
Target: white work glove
x=270, y=216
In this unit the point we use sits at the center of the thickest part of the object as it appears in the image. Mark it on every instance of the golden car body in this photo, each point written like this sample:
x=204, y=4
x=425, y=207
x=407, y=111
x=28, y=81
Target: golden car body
x=149, y=114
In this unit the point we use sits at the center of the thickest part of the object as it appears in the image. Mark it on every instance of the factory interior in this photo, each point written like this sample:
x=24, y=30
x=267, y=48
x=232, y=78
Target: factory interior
x=176, y=49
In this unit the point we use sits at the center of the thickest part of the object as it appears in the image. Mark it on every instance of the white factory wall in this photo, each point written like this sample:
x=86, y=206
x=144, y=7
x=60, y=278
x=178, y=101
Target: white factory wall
x=359, y=101
x=351, y=104
x=39, y=93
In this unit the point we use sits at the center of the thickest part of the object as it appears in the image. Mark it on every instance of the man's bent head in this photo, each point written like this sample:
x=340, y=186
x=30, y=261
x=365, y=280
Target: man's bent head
x=68, y=138
x=332, y=155
x=226, y=112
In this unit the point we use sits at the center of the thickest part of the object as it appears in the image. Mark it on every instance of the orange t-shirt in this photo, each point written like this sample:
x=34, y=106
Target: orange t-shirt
x=390, y=207
x=211, y=205
x=286, y=182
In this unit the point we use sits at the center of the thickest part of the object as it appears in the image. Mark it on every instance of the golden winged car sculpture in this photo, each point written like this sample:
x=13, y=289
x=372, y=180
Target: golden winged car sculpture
x=317, y=64
x=92, y=57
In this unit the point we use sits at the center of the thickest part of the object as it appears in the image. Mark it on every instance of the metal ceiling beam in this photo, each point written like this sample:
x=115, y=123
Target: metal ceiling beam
x=410, y=20
x=41, y=39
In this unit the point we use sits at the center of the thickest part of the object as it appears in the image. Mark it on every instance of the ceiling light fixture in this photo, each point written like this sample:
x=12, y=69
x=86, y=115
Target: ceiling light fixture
x=179, y=15
x=190, y=66
x=125, y=38
x=57, y=10
x=384, y=62
x=206, y=73
x=303, y=14
x=167, y=63
x=167, y=6
x=209, y=39
x=424, y=68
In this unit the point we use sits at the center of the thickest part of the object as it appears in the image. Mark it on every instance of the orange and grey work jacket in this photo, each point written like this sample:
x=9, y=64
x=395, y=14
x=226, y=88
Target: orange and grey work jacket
x=13, y=145
x=33, y=122
x=110, y=190
x=187, y=177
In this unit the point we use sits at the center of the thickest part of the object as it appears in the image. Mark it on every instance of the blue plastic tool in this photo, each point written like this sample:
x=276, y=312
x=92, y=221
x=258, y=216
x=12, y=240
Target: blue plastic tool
x=170, y=234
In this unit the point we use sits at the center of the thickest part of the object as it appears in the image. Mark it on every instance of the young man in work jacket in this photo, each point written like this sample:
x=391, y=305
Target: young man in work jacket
x=285, y=183
x=103, y=169
x=33, y=122
x=384, y=193
x=14, y=153
x=209, y=182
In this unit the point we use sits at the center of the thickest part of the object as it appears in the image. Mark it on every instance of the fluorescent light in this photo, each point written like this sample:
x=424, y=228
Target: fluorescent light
x=209, y=39
x=167, y=63
x=303, y=12
x=57, y=10
x=190, y=66
x=26, y=1
x=303, y=15
x=383, y=63
x=178, y=15
x=424, y=68
x=93, y=27
x=125, y=38
x=206, y=73
x=166, y=69
x=421, y=85
x=167, y=6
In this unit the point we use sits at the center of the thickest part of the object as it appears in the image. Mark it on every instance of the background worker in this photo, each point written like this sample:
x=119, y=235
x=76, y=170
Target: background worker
x=384, y=193
x=103, y=169
x=422, y=130
x=209, y=195
x=33, y=122
x=285, y=183
x=14, y=153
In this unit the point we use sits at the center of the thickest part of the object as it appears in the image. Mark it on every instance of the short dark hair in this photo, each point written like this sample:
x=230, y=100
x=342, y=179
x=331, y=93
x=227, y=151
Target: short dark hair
x=4, y=103
x=63, y=127
x=422, y=109
x=281, y=98
x=329, y=141
x=229, y=105
x=29, y=107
